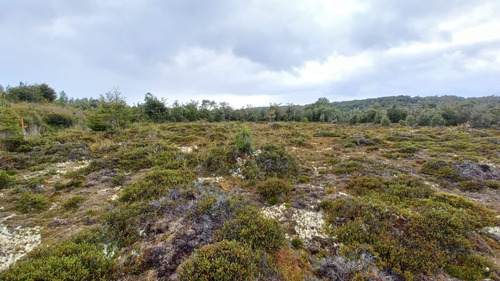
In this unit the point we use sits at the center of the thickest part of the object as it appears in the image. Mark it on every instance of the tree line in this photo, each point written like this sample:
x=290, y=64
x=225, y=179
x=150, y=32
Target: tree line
x=111, y=112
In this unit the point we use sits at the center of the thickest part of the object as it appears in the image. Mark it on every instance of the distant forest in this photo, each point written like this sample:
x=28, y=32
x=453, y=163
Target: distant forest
x=111, y=112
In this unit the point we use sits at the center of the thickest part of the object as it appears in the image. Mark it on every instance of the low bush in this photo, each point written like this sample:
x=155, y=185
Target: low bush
x=276, y=162
x=440, y=169
x=219, y=160
x=243, y=139
x=273, y=188
x=156, y=184
x=58, y=120
x=70, y=184
x=31, y=203
x=411, y=233
x=5, y=179
x=81, y=258
x=73, y=203
x=225, y=260
x=121, y=224
x=251, y=228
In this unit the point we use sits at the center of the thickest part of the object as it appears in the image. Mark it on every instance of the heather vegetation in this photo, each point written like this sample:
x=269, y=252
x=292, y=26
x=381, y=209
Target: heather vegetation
x=394, y=188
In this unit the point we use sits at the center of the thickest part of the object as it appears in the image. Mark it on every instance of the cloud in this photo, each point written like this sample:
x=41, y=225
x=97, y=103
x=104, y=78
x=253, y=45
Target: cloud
x=253, y=52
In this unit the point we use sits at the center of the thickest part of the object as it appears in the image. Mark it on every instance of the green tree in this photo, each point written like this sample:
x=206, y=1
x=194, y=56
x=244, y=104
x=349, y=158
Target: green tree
x=155, y=109
x=112, y=113
x=47, y=92
x=243, y=139
x=396, y=113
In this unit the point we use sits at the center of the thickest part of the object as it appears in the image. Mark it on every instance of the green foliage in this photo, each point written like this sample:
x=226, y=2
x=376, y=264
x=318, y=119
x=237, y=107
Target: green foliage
x=275, y=162
x=24, y=92
x=397, y=113
x=81, y=258
x=243, y=139
x=348, y=166
x=156, y=184
x=155, y=109
x=31, y=203
x=70, y=184
x=225, y=260
x=408, y=227
x=58, y=120
x=304, y=179
x=250, y=227
x=384, y=121
x=441, y=169
x=47, y=92
x=297, y=243
x=134, y=158
x=273, y=188
x=5, y=179
x=219, y=160
x=121, y=224
x=73, y=202
x=111, y=115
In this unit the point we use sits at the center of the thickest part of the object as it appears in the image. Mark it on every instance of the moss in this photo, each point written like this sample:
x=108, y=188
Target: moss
x=28, y=203
x=156, y=184
x=81, y=258
x=225, y=260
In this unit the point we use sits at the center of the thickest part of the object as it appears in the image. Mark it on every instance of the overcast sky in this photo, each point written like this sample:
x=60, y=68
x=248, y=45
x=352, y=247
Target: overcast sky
x=253, y=51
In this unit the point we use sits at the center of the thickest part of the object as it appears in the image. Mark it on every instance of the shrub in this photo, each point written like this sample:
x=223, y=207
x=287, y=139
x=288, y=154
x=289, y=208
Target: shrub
x=297, y=243
x=243, y=139
x=273, y=188
x=250, y=227
x=348, y=166
x=275, y=162
x=304, y=179
x=81, y=258
x=156, y=184
x=219, y=160
x=5, y=179
x=73, y=203
x=225, y=260
x=121, y=224
x=421, y=236
x=32, y=203
x=59, y=120
x=440, y=169
x=70, y=184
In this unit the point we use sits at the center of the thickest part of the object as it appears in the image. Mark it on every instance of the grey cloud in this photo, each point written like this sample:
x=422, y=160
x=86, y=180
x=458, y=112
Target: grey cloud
x=126, y=43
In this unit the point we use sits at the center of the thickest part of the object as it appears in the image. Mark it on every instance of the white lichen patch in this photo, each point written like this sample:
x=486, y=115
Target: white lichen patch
x=237, y=172
x=211, y=179
x=188, y=149
x=65, y=167
x=17, y=242
x=492, y=232
x=307, y=224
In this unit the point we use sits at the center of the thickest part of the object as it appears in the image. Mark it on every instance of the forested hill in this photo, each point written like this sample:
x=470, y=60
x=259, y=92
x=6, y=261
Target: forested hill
x=406, y=101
